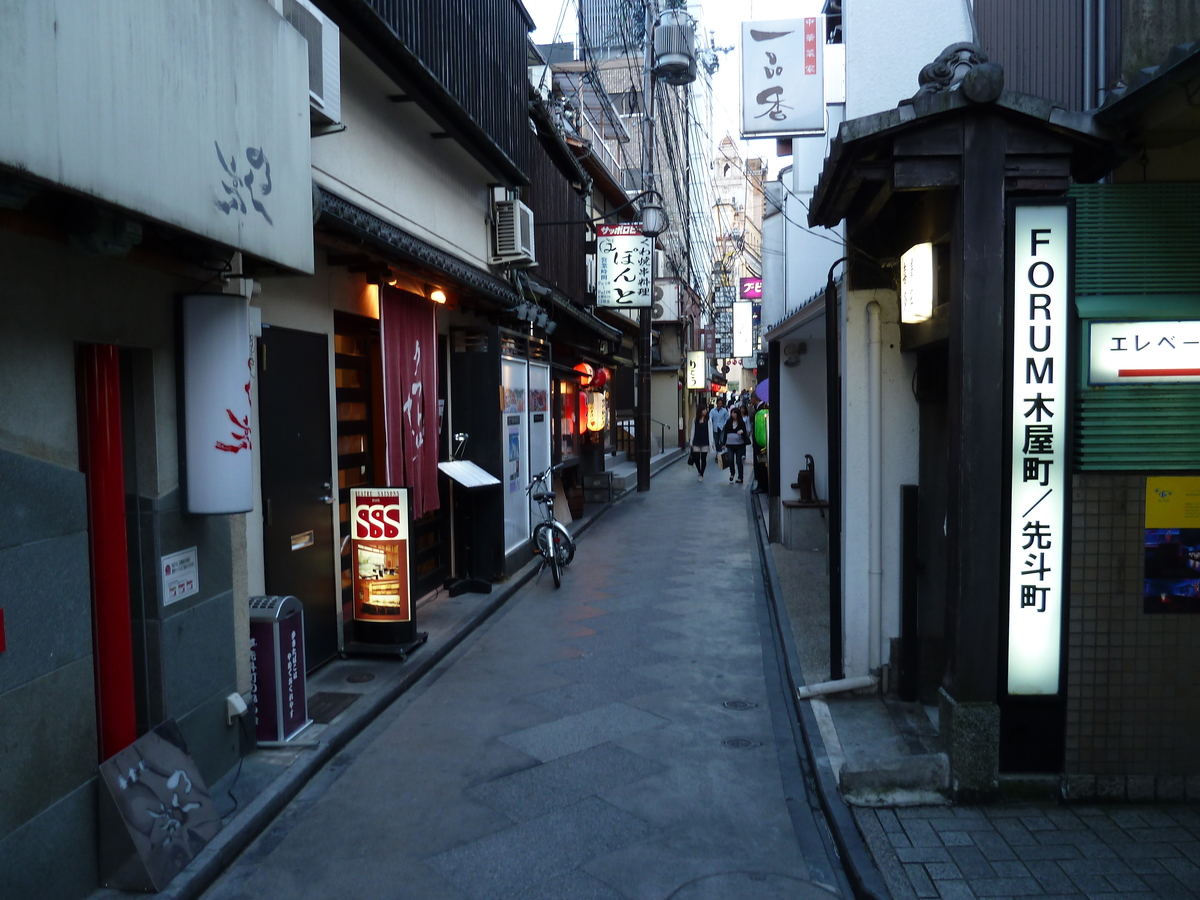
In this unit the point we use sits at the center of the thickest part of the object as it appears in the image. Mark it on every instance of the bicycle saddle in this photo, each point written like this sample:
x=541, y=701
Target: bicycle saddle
x=543, y=497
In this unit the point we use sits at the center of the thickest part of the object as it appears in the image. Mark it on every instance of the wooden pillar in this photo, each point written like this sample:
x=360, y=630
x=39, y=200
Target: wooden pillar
x=975, y=529
x=975, y=545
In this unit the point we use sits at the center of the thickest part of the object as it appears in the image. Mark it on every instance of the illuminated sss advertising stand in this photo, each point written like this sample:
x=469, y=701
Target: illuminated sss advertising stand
x=381, y=575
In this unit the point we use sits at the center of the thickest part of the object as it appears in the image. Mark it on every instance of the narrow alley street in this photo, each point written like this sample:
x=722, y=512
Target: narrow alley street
x=625, y=736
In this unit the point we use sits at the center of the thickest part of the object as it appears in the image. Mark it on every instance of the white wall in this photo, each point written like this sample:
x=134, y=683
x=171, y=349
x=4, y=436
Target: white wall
x=664, y=408
x=774, y=295
x=899, y=440
x=387, y=163
x=887, y=44
x=809, y=251
x=801, y=412
x=129, y=103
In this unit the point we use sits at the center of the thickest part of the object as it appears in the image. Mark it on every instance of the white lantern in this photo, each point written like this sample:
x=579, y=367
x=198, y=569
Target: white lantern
x=218, y=443
x=916, y=284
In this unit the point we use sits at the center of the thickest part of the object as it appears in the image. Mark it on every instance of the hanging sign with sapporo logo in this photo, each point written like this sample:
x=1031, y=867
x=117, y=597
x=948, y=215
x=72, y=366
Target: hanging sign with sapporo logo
x=623, y=259
x=1037, y=511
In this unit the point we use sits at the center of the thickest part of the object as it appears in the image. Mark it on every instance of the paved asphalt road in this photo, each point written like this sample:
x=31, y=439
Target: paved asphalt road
x=623, y=737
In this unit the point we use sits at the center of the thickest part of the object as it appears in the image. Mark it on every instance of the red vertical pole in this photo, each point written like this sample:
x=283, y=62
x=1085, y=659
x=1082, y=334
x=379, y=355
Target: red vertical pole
x=102, y=461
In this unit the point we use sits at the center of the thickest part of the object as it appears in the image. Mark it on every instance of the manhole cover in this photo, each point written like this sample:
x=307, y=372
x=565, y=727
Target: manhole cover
x=360, y=677
x=739, y=704
x=740, y=743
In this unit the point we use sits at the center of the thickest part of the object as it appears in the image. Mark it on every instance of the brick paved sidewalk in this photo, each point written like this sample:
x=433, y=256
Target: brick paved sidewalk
x=1036, y=850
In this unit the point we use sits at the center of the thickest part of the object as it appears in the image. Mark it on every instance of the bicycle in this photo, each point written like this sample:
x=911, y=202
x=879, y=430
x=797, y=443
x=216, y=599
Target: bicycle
x=551, y=539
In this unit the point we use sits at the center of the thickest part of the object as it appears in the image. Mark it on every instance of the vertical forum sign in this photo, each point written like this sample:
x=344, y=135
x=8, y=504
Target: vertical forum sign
x=1039, y=413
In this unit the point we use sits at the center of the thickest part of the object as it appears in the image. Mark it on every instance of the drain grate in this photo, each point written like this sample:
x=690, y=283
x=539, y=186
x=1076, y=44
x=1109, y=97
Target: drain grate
x=740, y=743
x=739, y=705
x=360, y=677
x=325, y=706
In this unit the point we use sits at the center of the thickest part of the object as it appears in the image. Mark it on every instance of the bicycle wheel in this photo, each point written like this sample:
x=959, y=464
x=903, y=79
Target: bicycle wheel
x=565, y=545
x=553, y=558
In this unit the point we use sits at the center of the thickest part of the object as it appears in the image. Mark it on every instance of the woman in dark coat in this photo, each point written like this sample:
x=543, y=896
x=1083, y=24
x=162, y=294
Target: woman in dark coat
x=737, y=436
x=700, y=441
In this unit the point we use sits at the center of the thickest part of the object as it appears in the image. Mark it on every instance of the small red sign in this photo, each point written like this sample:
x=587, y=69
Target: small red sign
x=629, y=228
x=750, y=288
x=810, y=46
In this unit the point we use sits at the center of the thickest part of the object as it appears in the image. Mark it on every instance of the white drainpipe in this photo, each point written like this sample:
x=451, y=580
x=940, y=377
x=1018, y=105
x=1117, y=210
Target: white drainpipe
x=875, y=476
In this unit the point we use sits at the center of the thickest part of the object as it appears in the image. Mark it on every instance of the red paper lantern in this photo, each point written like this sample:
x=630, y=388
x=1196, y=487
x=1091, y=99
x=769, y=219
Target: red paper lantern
x=586, y=373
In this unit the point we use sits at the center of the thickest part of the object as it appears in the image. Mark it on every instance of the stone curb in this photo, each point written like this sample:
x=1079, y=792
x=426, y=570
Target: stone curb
x=860, y=867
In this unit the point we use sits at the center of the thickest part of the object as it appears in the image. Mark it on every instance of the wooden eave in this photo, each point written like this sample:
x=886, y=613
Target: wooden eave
x=919, y=145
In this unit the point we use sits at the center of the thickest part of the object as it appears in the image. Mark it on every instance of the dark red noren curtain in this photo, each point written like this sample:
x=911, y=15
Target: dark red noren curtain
x=408, y=326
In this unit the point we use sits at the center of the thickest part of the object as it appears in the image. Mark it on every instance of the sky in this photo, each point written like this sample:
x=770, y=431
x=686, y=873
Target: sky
x=724, y=18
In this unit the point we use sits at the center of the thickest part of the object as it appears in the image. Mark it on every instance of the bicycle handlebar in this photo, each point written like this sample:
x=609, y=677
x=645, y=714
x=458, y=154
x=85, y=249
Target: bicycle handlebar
x=540, y=478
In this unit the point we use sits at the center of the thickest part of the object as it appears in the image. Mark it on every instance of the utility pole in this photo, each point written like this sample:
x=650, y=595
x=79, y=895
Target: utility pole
x=642, y=435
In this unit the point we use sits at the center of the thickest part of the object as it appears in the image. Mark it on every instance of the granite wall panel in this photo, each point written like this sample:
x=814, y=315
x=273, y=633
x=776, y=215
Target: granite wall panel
x=47, y=742
x=53, y=855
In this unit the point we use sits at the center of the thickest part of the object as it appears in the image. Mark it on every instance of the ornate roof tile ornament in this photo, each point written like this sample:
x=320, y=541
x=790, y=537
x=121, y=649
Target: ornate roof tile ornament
x=966, y=64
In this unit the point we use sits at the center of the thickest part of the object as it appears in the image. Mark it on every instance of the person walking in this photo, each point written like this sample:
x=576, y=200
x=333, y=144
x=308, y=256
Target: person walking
x=736, y=438
x=718, y=421
x=700, y=440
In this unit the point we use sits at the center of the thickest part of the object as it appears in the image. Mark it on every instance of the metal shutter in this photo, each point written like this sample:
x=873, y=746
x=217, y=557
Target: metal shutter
x=1137, y=238
x=1138, y=427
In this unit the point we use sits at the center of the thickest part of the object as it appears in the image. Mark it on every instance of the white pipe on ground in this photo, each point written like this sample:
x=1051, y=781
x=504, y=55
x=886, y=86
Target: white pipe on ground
x=875, y=476
x=841, y=686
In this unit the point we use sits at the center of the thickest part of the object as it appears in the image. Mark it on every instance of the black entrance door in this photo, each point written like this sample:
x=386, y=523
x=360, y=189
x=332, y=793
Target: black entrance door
x=298, y=498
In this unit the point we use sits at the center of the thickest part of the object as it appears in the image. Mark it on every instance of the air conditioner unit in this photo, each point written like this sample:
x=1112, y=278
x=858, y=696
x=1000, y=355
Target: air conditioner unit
x=512, y=234
x=324, y=58
x=666, y=301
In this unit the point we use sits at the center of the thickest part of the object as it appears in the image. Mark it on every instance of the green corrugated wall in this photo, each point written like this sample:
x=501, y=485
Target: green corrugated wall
x=1137, y=239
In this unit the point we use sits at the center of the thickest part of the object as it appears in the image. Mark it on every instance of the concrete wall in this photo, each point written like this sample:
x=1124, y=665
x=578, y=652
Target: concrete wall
x=1150, y=28
x=809, y=252
x=664, y=408
x=899, y=441
x=47, y=708
x=387, y=163
x=774, y=299
x=52, y=299
x=887, y=44
x=802, y=413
